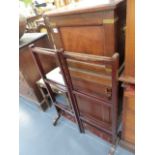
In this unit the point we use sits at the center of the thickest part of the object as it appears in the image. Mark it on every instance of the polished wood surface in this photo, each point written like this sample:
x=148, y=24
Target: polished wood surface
x=95, y=30
x=28, y=72
x=95, y=94
x=128, y=79
x=94, y=109
x=128, y=133
x=49, y=83
x=83, y=40
x=98, y=30
x=130, y=40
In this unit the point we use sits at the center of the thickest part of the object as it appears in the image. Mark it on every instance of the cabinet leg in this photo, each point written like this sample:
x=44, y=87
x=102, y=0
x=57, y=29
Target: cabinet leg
x=113, y=147
x=81, y=128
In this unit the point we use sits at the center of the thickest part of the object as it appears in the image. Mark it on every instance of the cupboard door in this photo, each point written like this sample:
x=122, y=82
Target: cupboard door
x=128, y=133
x=130, y=40
x=88, y=39
x=25, y=90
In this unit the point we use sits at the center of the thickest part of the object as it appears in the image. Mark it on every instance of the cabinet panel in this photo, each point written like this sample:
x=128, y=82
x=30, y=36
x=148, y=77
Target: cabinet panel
x=25, y=90
x=128, y=133
x=130, y=40
x=28, y=71
x=94, y=109
x=97, y=132
x=87, y=39
x=129, y=136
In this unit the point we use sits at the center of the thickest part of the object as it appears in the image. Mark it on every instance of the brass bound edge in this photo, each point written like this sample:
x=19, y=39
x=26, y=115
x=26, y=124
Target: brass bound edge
x=110, y=21
x=53, y=24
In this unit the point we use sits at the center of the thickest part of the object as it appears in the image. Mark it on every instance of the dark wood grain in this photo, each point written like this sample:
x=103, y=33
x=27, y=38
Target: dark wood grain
x=90, y=102
x=130, y=40
x=83, y=40
x=94, y=30
x=28, y=69
x=91, y=33
x=49, y=83
x=128, y=78
x=128, y=133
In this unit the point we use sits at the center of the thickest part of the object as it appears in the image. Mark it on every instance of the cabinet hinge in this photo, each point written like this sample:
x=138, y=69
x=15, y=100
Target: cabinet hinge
x=110, y=20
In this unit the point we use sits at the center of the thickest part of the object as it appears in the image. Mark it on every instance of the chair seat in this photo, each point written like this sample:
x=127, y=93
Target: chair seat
x=54, y=75
x=61, y=99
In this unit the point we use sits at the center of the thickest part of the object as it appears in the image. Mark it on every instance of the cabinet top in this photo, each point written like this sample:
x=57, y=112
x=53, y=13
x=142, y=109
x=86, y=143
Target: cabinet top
x=84, y=6
x=29, y=38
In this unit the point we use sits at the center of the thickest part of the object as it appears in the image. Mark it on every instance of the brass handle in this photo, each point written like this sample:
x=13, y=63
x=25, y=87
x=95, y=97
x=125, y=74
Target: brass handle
x=124, y=28
x=108, y=92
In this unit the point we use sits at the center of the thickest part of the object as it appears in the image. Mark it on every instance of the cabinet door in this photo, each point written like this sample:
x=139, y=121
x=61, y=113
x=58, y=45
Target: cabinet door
x=130, y=40
x=79, y=39
x=28, y=87
x=87, y=32
x=24, y=88
x=128, y=133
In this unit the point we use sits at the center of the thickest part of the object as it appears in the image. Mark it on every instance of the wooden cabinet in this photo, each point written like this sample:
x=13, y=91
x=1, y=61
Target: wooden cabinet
x=130, y=40
x=128, y=78
x=28, y=74
x=97, y=30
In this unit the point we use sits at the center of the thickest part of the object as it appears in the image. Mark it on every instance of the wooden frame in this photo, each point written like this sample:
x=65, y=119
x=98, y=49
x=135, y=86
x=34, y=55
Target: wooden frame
x=109, y=100
x=112, y=103
x=45, y=96
x=64, y=89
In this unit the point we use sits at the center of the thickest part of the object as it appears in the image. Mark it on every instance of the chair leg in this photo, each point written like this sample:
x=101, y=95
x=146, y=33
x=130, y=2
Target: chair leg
x=56, y=119
x=81, y=128
x=45, y=96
